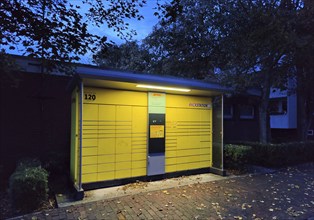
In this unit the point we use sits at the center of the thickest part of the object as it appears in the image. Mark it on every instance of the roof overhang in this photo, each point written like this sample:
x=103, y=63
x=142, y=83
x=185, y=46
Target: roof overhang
x=113, y=79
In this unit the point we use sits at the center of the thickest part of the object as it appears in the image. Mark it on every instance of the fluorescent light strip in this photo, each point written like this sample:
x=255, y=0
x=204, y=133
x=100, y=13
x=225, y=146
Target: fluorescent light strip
x=163, y=88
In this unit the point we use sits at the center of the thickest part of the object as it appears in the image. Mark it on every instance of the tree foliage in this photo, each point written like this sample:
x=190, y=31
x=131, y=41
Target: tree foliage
x=253, y=47
x=179, y=45
x=183, y=45
x=127, y=56
x=252, y=43
x=256, y=44
x=56, y=30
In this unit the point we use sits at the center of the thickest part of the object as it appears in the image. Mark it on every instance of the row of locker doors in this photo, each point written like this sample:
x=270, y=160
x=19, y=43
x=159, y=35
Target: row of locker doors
x=115, y=139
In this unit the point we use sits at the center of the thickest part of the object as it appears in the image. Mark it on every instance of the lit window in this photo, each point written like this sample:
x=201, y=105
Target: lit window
x=246, y=111
x=278, y=106
x=228, y=111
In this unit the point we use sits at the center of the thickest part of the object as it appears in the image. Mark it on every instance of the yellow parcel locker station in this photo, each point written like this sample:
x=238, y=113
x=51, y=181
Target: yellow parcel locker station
x=131, y=126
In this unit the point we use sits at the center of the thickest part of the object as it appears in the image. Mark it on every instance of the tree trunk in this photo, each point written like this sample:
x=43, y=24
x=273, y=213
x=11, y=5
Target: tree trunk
x=263, y=111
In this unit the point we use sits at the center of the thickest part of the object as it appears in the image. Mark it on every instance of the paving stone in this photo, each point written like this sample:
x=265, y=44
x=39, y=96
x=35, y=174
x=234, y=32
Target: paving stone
x=285, y=194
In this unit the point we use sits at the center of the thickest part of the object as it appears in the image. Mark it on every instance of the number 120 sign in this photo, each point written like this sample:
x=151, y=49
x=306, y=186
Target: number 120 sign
x=89, y=96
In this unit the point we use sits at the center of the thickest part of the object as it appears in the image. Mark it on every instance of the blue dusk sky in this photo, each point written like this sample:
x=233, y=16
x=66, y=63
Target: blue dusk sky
x=143, y=27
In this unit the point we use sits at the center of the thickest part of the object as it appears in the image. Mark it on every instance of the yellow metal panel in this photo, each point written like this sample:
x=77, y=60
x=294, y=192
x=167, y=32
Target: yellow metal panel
x=184, y=166
x=119, y=174
x=139, y=137
x=90, y=125
x=171, y=161
x=187, y=101
x=171, y=153
x=105, y=176
x=88, y=132
x=89, y=160
x=106, y=167
x=89, y=178
x=205, y=157
x=139, y=119
x=106, y=158
x=206, y=150
x=105, y=134
x=117, y=97
x=139, y=164
x=123, y=145
x=106, y=127
x=138, y=172
x=188, y=159
x=188, y=142
x=123, y=157
x=188, y=166
x=139, y=147
x=139, y=150
x=206, y=115
x=89, y=169
x=123, y=129
x=188, y=152
x=188, y=132
x=107, y=146
x=90, y=142
x=138, y=156
x=205, y=164
x=123, y=165
x=171, y=168
x=89, y=135
x=90, y=112
x=124, y=114
x=171, y=141
x=183, y=142
x=88, y=151
x=107, y=113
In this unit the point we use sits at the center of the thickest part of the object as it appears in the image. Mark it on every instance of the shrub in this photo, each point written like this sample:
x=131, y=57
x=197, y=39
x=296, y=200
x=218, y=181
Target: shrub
x=270, y=155
x=28, y=186
x=237, y=156
x=27, y=163
x=278, y=155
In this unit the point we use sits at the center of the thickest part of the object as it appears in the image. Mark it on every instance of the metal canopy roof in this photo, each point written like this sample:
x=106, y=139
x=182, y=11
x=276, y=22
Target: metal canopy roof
x=103, y=78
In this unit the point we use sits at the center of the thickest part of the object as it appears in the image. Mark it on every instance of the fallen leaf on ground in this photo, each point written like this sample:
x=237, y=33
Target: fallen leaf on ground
x=166, y=192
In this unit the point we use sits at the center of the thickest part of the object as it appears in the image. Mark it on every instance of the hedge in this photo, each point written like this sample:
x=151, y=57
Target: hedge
x=268, y=155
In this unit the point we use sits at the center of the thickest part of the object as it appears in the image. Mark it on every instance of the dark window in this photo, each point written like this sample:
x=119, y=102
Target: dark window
x=246, y=111
x=228, y=111
x=278, y=106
